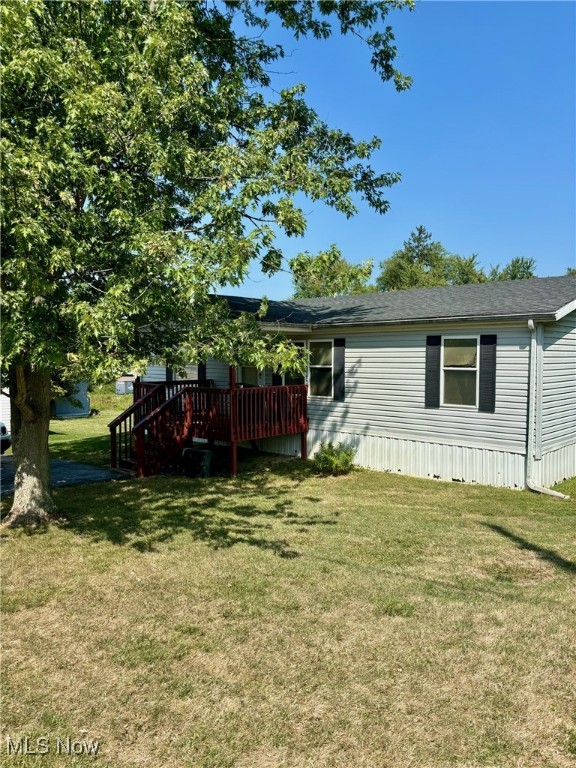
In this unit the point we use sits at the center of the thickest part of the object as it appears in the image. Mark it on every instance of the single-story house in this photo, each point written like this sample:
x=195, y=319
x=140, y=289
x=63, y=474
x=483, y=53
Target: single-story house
x=473, y=383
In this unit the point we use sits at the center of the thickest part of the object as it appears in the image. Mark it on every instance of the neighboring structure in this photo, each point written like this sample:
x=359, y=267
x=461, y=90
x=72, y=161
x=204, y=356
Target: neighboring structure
x=474, y=383
x=75, y=406
x=5, y=417
x=125, y=385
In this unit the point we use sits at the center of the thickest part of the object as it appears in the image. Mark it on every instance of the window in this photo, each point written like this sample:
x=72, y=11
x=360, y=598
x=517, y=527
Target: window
x=460, y=371
x=292, y=379
x=320, y=368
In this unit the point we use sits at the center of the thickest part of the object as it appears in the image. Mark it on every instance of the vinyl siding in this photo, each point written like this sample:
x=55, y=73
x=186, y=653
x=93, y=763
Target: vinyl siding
x=385, y=384
x=559, y=385
x=158, y=373
x=155, y=373
x=218, y=371
x=384, y=418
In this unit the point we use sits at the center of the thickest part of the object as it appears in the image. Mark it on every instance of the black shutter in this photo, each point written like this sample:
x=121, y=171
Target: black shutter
x=201, y=371
x=487, y=383
x=276, y=379
x=169, y=374
x=339, y=383
x=432, y=394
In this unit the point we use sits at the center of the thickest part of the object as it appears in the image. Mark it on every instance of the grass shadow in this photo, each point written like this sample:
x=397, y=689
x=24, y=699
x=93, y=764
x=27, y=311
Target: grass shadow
x=221, y=512
x=544, y=554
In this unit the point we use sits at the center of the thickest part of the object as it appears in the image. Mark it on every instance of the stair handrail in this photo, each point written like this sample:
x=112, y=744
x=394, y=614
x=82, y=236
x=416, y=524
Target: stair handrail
x=142, y=467
x=126, y=415
x=134, y=407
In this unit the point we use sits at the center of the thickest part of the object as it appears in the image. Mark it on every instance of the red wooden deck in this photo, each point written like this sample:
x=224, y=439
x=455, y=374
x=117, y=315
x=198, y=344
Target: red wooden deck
x=167, y=416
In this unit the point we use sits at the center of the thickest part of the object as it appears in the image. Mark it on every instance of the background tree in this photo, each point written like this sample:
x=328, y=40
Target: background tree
x=423, y=262
x=571, y=271
x=143, y=169
x=329, y=274
x=420, y=263
x=519, y=268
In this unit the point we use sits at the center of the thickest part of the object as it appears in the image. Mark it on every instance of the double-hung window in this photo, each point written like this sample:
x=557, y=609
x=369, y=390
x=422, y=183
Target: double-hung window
x=460, y=370
x=290, y=378
x=321, y=368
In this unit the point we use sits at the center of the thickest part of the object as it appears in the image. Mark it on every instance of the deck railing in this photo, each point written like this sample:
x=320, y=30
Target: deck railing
x=122, y=447
x=142, y=388
x=161, y=435
x=260, y=412
x=149, y=434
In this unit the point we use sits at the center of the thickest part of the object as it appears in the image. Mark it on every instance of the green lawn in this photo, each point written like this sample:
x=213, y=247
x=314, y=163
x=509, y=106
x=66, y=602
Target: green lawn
x=285, y=620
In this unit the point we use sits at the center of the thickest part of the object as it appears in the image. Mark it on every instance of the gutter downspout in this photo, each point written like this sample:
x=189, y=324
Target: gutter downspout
x=535, y=383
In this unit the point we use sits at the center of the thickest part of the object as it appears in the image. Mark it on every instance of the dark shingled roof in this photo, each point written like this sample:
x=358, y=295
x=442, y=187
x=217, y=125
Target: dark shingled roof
x=540, y=298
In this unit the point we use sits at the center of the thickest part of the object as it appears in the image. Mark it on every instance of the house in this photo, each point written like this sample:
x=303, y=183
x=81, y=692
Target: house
x=124, y=385
x=474, y=383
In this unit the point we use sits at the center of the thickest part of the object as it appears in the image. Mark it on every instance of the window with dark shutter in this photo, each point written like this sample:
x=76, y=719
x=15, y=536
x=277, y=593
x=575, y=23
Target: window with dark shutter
x=461, y=371
x=320, y=369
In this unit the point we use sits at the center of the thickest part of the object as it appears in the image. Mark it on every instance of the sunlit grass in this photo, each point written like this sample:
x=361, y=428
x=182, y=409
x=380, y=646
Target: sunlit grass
x=286, y=620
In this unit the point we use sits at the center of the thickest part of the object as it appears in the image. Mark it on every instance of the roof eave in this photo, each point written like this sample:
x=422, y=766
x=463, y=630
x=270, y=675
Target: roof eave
x=285, y=327
x=565, y=310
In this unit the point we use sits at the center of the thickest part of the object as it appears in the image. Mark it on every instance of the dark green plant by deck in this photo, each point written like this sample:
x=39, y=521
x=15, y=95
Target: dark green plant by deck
x=334, y=459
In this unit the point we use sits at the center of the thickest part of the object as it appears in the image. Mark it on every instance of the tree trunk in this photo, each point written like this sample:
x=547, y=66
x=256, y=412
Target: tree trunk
x=30, y=398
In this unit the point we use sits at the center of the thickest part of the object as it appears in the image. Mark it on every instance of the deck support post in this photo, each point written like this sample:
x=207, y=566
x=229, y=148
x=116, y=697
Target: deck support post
x=113, y=449
x=233, y=459
x=304, y=445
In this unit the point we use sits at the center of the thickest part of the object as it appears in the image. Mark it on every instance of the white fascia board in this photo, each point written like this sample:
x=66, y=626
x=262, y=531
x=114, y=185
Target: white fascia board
x=565, y=310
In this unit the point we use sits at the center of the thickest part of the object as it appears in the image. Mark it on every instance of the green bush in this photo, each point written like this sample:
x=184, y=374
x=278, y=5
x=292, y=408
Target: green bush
x=334, y=459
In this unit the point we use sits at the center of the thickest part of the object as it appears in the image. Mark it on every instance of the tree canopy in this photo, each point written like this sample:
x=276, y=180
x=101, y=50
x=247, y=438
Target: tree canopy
x=423, y=262
x=145, y=165
x=329, y=274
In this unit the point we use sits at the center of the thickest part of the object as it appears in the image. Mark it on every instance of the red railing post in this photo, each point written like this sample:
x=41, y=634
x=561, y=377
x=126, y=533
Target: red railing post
x=139, y=440
x=304, y=445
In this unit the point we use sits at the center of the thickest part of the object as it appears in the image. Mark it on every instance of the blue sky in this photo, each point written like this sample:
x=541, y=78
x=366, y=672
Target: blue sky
x=485, y=139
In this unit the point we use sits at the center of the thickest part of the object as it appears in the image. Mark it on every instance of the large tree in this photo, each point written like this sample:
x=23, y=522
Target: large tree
x=146, y=163
x=329, y=274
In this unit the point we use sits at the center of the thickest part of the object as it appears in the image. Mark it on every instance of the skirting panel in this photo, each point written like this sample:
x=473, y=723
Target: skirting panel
x=419, y=459
x=556, y=466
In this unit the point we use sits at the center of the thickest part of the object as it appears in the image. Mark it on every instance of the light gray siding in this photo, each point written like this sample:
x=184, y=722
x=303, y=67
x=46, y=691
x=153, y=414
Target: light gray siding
x=155, y=373
x=385, y=383
x=158, y=373
x=384, y=418
x=559, y=384
x=218, y=371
